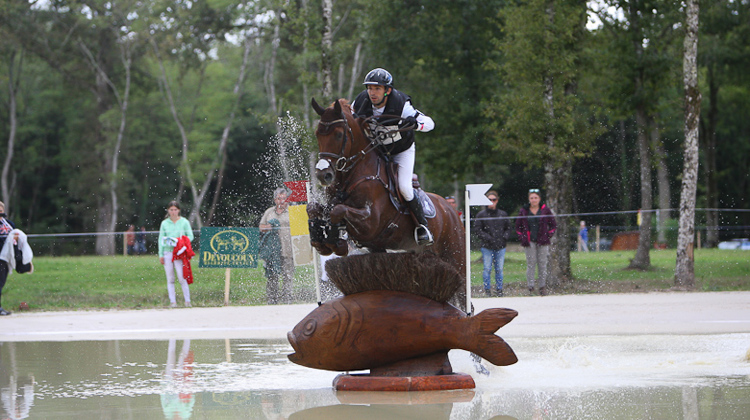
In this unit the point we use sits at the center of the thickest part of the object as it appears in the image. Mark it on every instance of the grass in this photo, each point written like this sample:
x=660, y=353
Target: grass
x=605, y=272
x=119, y=282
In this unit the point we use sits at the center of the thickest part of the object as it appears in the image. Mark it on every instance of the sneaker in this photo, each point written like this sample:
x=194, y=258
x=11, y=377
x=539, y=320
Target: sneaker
x=173, y=305
x=542, y=291
x=487, y=292
x=499, y=293
x=531, y=289
x=3, y=312
x=188, y=305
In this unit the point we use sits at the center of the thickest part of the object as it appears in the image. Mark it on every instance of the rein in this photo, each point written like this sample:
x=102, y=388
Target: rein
x=380, y=136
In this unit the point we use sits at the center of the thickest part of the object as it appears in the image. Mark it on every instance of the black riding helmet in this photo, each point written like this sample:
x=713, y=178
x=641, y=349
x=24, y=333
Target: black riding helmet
x=379, y=77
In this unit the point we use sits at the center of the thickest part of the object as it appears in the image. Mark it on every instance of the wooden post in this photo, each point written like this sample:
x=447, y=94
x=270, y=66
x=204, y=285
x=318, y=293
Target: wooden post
x=468, y=251
x=598, y=235
x=698, y=233
x=125, y=244
x=228, y=350
x=227, y=276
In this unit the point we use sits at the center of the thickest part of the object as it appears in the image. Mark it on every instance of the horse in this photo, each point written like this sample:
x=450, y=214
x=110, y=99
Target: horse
x=357, y=192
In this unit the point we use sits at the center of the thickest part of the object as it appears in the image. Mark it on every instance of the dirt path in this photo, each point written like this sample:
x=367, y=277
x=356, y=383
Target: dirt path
x=564, y=315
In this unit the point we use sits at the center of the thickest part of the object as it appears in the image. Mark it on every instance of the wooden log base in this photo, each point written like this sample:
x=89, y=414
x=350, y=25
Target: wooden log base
x=366, y=382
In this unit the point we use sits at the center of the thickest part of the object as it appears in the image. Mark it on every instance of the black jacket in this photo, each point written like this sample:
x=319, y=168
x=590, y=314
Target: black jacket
x=493, y=228
x=394, y=106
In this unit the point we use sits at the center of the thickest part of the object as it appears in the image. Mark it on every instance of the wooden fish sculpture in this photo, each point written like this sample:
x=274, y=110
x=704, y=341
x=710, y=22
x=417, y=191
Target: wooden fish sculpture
x=376, y=328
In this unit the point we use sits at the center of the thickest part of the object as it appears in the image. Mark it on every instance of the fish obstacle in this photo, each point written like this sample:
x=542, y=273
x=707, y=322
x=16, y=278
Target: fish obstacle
x=395, y=320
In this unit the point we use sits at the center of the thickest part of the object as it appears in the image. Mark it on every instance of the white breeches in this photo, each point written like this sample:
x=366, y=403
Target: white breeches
x=405, y=162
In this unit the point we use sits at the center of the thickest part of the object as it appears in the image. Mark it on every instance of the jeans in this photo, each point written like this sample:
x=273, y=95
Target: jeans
x=492, y=257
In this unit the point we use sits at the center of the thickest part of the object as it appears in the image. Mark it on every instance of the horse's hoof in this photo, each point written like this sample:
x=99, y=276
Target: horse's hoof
x=322, y=249
x=342, y=248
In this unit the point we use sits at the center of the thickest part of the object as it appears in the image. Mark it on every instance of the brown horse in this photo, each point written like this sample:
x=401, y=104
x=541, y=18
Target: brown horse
x=358, y=196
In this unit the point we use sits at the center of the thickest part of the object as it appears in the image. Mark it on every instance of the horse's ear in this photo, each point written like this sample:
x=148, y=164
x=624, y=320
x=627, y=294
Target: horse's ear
x=337, y=107
x=319, y=109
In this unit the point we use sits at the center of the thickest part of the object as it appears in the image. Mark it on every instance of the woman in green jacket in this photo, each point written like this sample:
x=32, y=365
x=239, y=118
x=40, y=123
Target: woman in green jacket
x=172, y=228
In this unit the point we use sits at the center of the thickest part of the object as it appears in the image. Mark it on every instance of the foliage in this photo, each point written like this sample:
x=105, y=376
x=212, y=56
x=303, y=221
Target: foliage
x=475, y=66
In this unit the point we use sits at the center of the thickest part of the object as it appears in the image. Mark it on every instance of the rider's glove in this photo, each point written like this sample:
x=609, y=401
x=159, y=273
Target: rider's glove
x=411, y=122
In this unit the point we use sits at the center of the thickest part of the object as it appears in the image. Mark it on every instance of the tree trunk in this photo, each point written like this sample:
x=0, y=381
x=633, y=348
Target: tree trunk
x=13, y=126
x=642, y=260
x=327, y=50
x=684, y=273
x=557, y=179
x=662, y=180
x=305, y=68
x=105, y=243
x=356, y=68
x=558, y=186
x=269, y=75
x=709, y=151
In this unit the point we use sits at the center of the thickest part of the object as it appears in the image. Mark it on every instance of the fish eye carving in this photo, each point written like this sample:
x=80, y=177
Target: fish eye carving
x=310, y=327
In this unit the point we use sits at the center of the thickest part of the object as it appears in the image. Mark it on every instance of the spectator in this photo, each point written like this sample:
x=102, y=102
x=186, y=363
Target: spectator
x=6, y=226
x=535, y=227
x=452, y=201
x=277, y=241
x=140, y=241
x=171, y=230
x=130, y=240
x=583, y=238
x=493, y=227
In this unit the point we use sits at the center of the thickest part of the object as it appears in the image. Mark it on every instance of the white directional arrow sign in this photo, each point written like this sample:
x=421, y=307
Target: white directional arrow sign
x=477, y=195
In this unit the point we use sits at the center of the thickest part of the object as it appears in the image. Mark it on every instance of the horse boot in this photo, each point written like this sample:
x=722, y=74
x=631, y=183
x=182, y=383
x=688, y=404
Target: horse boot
x=422, y=234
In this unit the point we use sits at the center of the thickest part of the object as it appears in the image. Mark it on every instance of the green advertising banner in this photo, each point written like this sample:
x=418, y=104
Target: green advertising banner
x=229, y=247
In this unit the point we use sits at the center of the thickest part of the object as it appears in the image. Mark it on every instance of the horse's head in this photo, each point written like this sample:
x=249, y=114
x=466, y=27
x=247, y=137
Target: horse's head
x=338, y=145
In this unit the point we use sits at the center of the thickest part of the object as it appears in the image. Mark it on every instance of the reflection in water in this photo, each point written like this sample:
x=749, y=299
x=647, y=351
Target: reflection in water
x=17, y=406
x=643, y=377
x=177, y=397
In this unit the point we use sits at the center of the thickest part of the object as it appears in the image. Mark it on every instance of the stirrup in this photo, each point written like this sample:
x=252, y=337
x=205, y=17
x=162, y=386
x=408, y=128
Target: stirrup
x=424, y=241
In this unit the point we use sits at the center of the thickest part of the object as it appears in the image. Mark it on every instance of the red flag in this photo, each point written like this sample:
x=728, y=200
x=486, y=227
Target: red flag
x=299, y=191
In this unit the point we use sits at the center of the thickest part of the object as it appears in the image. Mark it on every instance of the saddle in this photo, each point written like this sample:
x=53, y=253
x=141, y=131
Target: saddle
x=395, y=194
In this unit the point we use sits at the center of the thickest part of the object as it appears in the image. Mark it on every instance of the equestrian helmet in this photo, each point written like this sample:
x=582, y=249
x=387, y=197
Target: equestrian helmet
x=379, y=77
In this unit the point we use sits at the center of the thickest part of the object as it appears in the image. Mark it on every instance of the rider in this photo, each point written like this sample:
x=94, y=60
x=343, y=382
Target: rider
x=381, y=98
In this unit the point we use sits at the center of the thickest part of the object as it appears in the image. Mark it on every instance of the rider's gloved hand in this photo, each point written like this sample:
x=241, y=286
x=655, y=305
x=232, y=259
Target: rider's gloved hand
x=411, y=121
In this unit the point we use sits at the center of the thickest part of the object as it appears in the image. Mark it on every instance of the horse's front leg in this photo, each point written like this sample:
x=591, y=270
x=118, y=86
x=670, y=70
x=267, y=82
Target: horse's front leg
x=355, y=218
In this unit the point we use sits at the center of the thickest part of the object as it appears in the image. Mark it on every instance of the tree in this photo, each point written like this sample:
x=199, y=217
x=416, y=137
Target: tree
x=539, y=114
x=636, y=44
x=14, y=67
x=684, y=270
x=200, y=26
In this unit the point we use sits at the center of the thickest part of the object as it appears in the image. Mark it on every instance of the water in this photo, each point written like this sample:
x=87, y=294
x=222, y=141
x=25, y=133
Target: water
x=598, y=377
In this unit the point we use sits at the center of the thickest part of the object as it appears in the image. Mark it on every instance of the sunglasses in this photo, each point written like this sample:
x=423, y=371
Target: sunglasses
x=534, y=190
x=493, y=199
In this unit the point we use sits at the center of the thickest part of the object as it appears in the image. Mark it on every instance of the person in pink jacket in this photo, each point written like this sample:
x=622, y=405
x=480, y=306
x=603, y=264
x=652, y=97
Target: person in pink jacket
x=535, y=226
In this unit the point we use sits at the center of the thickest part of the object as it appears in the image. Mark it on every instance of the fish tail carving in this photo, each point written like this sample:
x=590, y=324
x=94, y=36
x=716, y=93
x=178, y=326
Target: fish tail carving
x=485, y=343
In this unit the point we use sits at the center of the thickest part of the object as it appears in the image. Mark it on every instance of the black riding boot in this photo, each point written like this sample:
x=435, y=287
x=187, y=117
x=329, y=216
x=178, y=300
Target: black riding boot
x=421, y=234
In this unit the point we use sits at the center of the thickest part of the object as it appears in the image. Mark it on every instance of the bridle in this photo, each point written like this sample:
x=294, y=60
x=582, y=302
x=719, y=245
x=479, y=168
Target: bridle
x=341, y=162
